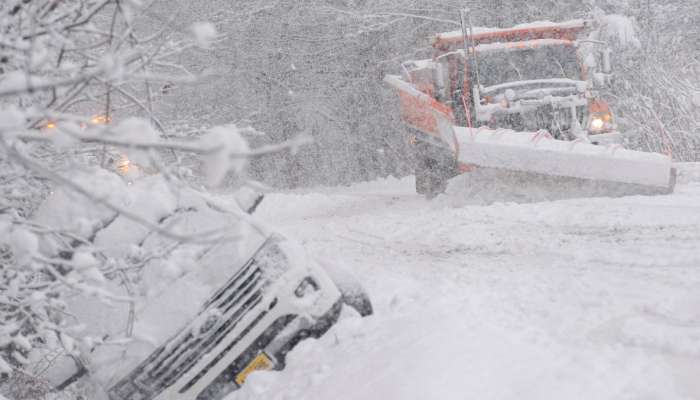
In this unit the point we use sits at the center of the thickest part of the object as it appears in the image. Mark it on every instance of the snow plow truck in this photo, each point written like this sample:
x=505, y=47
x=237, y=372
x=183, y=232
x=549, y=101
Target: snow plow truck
x=524, y=99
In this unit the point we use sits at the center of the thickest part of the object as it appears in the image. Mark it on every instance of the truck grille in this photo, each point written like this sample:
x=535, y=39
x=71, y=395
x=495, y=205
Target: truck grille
x=229, y=305
x=555, y=120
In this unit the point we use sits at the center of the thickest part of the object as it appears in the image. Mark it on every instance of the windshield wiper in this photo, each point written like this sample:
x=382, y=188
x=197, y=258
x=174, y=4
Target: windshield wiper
x=543, y=82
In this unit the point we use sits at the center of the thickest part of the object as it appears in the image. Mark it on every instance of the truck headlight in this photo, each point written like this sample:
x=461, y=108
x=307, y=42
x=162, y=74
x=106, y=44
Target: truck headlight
x=597, y=124
x=600, y=122
x=271, y=258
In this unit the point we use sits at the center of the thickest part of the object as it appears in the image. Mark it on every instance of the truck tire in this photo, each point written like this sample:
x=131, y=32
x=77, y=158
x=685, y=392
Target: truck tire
x=432, y=170
x=425, y=179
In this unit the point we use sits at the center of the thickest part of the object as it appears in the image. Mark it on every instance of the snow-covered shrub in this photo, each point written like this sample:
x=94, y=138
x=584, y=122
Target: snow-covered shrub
x=76, y=95
x=656, y=82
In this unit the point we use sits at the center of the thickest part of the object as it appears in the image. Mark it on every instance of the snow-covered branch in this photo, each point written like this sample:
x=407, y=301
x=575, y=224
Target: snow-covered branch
x=78, y=82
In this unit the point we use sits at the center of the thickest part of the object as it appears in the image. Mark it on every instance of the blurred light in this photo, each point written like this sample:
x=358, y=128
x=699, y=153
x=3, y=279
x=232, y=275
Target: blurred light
x=100, y=120
x=597, y=124
x=123, y=165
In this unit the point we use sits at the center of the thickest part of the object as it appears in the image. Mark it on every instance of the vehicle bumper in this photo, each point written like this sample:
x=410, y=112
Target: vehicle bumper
x=275, y=342
x=608, y=138
x=268, y=314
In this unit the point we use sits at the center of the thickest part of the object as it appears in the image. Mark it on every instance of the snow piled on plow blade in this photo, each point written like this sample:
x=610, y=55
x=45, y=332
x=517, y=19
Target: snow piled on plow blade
x=539, y=153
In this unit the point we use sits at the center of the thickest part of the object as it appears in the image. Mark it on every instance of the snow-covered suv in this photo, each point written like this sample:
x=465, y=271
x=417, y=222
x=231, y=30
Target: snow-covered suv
x=206, y=311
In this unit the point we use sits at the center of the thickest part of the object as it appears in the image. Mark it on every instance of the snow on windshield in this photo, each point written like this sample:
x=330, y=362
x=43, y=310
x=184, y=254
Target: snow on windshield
x=549, y=62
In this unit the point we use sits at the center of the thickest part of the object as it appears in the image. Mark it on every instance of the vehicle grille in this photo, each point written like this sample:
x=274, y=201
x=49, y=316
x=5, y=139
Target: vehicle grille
x=177, y=356
x=555, y=120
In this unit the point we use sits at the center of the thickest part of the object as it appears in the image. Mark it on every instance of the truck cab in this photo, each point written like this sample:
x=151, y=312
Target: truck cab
x=526, y=98
x=530, y=77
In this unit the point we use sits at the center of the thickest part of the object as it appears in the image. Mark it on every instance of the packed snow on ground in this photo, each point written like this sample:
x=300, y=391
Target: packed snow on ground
x=589, y=298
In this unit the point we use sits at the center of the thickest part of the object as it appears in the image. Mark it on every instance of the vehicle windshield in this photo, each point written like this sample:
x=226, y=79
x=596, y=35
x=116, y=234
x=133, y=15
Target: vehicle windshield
x=549, y=62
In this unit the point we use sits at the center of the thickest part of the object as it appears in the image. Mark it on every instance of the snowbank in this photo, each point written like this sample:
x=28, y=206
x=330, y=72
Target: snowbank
x=590, y=298
x=687, y=172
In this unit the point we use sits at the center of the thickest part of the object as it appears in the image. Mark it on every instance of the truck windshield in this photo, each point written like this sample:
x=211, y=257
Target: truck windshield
x=548, y=62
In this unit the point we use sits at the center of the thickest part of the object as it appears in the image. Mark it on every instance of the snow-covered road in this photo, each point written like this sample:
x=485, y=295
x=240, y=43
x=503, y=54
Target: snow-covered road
x=571, y=299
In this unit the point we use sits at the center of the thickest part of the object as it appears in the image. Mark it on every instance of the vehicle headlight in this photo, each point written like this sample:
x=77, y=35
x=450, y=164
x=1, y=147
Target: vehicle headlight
x=597, y=124
x=600, y=122
x=123, y=164
x=271, y=258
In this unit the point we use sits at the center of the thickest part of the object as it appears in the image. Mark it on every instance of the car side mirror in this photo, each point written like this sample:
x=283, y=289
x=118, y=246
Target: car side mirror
x=248, y=199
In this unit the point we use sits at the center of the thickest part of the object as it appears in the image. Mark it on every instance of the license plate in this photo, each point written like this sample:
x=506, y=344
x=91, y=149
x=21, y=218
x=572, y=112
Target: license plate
x=260, y=362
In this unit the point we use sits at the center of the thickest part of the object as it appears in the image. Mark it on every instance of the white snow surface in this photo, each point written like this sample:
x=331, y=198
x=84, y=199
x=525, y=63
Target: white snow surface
x=588, y=298
x=228, y=140
x=204, y=33
x=619, y=28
